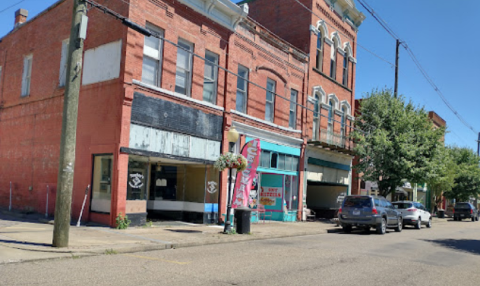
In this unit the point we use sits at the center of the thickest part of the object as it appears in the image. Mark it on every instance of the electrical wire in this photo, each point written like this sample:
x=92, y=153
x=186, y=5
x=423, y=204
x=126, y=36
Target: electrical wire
x=1, y=11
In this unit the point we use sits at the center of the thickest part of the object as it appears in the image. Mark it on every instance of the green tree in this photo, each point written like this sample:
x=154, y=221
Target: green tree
x=397, y=141
x=441, y=177
x=467, y=178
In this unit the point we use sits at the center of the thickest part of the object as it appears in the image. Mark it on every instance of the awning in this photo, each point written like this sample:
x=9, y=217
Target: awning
x=400, y=190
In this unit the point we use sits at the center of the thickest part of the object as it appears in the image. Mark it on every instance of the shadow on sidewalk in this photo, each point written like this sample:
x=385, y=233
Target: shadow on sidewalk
x=24, y=243
x=466, y=245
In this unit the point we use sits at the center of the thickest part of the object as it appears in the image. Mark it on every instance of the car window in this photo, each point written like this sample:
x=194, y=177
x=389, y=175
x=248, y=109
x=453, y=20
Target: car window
x=462, y=206
x=417, y=205
x=402, y=206
x=358, y=202
x=383, y=203
x=377, y=202
x=389, y=205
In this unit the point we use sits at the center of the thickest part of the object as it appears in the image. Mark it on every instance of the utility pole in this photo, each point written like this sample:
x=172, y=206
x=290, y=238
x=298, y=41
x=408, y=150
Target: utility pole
x=68, y=142
x=478, y=144
x=396, y=70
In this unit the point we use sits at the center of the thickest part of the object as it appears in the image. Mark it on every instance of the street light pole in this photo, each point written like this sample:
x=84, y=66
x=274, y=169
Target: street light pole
x=232, y=136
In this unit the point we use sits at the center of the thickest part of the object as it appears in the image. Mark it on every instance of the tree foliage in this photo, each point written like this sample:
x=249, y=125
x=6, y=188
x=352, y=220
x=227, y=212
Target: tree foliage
x=441, y=177
x=398, y=142
x=467, y=174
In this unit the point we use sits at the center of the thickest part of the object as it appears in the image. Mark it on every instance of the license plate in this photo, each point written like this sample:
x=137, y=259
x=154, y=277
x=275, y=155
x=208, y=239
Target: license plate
x=356, y=213
x=462, y=215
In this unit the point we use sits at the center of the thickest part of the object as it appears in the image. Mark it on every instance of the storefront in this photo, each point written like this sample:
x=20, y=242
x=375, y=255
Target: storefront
x=328, y=177
x=170, y=162
x=276, y=185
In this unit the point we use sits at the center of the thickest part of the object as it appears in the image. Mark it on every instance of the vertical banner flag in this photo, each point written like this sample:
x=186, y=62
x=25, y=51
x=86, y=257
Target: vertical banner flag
x=243, y=182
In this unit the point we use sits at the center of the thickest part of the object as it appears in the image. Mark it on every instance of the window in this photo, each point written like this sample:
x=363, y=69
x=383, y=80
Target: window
x=152, y=58
x=210, y=77
x=330, y=115
x=274, y=160
x=63, y=63
x=344, y=120
x=316, y=118
x=242, y=85
x=319, y=62
x=270, y=104
x=102, y=183
x=27, y=75
x=292, y=122
x=0, y=77
x=345, y=70
x=183, y=78
x=333, y=63
x=265, y=159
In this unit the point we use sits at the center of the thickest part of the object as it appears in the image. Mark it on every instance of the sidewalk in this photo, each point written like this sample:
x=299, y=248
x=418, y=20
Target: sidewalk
x=28, y=238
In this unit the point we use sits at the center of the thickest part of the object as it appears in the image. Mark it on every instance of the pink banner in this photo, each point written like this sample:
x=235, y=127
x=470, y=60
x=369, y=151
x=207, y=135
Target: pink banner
x=244, y=180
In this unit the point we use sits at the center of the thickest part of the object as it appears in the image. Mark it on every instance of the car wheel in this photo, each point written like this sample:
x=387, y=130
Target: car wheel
x=366, y=229
x=418, y=225
x=473, y=218
x=382, y=227
x=399, y=225
x=476, y=218
x=347, y=228
x=429, y=224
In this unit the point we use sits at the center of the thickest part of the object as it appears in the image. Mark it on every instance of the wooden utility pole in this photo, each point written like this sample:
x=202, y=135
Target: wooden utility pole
x=63, y=204
x=396, y=70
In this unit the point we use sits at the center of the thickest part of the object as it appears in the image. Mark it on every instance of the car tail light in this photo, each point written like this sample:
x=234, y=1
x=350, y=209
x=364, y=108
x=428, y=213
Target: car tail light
x=453, y=211
x=340, y=210
x=374, y=211
x=471, y=211
x=412, y=210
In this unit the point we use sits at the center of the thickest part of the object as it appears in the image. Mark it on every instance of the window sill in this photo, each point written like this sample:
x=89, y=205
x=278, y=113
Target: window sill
x=177, y=95
x=331, y=79
x=265, y=122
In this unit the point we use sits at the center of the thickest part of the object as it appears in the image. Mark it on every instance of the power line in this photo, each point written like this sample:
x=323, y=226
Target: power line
x=416, y=62
x=148, y=32
x=1, y=11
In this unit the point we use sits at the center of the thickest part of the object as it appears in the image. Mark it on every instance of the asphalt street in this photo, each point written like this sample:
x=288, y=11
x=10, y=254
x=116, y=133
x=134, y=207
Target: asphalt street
x=447, y=254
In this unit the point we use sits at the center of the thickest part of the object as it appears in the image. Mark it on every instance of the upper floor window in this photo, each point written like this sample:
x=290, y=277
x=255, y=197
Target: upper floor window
x=330, y=115
x=345, y=70
x=242, y=92
x=210, y=77
x=152, y=57
x=292, y=119
x=319, y=62
x=183, y=77
x=270, y=103
x=316, y=118
x=274, y=160
x=333, y=62
x=344, y=120
x=63, y=63
x=27, y=75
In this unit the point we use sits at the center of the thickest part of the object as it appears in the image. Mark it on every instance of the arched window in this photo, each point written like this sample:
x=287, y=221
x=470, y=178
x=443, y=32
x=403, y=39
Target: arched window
x=333, y=58
x=344, y=121
x=316, y=118
x=345, y=70
x=319, y=62
x=331, y=106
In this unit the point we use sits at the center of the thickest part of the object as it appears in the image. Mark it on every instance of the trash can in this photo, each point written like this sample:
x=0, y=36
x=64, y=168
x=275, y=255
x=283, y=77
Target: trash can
x=441, y=213
x=242, y=217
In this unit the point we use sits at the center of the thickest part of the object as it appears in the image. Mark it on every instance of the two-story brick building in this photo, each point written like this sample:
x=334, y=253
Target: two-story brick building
x=327, y=31
x=153, y=111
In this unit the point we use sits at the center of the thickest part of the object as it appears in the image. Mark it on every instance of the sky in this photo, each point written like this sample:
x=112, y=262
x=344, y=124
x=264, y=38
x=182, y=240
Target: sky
x=442, y=35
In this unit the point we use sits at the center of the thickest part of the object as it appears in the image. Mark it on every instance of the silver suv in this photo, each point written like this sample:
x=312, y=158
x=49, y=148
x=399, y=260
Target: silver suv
x=367, y=212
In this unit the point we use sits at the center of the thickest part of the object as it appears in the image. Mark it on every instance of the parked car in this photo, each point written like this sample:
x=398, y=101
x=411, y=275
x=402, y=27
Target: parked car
x=465, y=210
x=367, y=212
x=414, y=213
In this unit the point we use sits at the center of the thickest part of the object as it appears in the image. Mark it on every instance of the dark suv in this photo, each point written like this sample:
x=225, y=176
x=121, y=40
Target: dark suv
x=367, y=212
x=465, y=210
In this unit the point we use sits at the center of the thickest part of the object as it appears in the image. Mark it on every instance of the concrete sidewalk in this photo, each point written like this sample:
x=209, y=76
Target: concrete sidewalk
x=29, y=238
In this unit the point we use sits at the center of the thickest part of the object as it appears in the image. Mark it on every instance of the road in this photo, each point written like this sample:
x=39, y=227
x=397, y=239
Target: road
x=447, y=254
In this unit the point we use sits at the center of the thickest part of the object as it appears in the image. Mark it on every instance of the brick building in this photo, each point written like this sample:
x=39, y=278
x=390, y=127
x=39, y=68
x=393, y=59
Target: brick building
x=327, y=31
x=153, y=117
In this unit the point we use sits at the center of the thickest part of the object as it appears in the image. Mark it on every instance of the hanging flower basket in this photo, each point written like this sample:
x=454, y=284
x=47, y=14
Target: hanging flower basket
x=229, y=160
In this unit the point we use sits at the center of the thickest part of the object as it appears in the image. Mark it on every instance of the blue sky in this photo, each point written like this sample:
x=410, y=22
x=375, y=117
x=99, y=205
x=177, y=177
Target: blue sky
x=442, y=35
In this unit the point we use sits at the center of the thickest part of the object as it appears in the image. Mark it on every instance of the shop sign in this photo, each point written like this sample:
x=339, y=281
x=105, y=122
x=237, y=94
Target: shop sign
x=244, y=181
x=268, y=195
x=212, y=187
x=136, y=180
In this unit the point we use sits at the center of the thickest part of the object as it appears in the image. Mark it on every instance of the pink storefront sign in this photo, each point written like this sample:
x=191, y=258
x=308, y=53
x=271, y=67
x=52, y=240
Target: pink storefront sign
x=243, y=183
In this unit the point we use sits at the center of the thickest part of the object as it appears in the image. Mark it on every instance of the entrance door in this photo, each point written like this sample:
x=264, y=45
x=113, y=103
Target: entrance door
x=164, y=183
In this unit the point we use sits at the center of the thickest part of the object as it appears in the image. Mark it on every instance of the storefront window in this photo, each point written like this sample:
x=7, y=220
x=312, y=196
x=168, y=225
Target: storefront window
x=102, y=183
x=137, y=179
x=195, y=185
x=291, y=192
x=167, y=182
x=281, y=161
x=265, y=159
x=273, y=161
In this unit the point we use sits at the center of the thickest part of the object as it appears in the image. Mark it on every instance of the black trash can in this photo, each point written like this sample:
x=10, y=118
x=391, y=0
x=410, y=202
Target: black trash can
x=441, y=213
x=242, y=217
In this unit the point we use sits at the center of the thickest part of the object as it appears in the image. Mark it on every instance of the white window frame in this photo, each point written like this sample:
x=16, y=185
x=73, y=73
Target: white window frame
x=270, y=102
x=344, y=121
x=188, y=69
x=345, y=70
x=333, y=63
x=153, y=54
x=319, y=59
x=243, y=91
x=292, y=118
x=213, y=80
x=27, y=75
x=316, y=118
x=62, y=77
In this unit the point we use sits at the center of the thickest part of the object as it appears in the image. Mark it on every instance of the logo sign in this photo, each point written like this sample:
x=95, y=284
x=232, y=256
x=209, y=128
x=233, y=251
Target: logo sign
x=244, y=181
x=136, y=180
x=212, y=187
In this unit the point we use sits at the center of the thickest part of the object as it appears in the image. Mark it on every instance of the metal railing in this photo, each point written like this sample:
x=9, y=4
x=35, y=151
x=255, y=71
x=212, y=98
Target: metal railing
x=336, y=139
